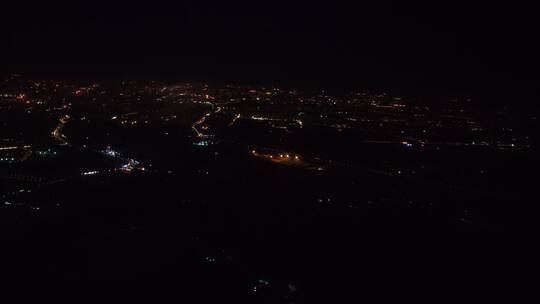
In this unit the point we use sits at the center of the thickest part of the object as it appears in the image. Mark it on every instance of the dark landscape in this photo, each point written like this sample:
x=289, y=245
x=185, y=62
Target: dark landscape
x=271, y=178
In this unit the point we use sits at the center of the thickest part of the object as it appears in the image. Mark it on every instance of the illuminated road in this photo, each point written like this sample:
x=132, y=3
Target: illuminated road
x=234, y=120
x=57, y=132
x=202, y=120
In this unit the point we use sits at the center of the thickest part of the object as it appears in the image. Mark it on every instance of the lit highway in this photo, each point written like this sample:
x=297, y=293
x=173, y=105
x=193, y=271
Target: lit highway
x=57, y=132
x=202, y=120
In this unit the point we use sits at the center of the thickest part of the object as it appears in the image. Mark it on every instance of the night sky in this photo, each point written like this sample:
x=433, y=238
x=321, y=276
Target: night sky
x=447, y=46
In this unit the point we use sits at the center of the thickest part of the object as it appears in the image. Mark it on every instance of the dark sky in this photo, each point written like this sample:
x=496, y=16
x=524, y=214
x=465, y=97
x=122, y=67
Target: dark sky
x=461, y=46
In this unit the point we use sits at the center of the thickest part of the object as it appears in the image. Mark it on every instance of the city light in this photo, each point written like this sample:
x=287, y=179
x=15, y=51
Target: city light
x=90, y=173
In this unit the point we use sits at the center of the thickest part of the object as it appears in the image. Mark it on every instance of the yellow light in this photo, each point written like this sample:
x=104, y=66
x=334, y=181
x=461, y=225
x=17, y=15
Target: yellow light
x=296, y=157
x=287, y=156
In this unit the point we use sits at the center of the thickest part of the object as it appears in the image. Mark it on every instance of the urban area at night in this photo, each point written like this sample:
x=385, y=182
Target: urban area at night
x=268, y=151
x=133, y=178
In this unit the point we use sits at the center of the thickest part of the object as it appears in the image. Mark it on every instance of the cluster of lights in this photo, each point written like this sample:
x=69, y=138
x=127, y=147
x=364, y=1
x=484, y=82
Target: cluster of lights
x=280, y=156
x=202, y=143
x=407, y=144
x=9, y=148
x=260, y=118
x=89, y=173
x=111, y=152
x=46, y=152
x=131, y=165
